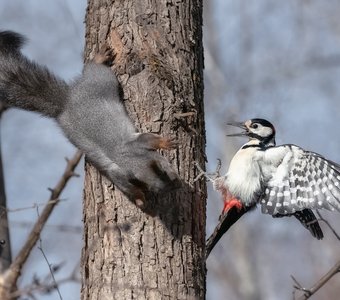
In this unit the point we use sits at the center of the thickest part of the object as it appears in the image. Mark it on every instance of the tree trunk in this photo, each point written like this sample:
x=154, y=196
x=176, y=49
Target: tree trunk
x=129, y=254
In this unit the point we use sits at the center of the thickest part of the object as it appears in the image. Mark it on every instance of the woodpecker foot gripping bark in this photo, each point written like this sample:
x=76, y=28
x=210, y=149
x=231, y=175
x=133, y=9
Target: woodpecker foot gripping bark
x=209, y=176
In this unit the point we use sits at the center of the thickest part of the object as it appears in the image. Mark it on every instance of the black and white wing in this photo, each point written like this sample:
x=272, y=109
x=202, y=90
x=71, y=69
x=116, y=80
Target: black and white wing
x=298, y=180
x=308, y=220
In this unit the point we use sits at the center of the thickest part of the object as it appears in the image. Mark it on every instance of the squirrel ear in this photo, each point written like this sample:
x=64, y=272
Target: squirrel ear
x=159, y=170
x=164, y=172
x=166, y=175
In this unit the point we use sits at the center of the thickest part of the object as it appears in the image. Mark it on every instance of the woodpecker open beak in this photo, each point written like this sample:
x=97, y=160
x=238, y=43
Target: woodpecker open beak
x=240, y=125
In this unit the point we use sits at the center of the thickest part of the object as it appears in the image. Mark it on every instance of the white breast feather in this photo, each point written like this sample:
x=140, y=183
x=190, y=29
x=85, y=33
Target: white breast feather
x=251, y=166
x=244, y=177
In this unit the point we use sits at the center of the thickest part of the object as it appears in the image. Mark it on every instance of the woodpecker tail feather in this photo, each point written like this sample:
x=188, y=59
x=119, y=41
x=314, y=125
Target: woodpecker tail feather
x=225, y=222
x=310, y=222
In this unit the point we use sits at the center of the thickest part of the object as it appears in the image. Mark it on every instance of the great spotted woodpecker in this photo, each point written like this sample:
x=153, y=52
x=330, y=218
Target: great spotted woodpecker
x=285, y=180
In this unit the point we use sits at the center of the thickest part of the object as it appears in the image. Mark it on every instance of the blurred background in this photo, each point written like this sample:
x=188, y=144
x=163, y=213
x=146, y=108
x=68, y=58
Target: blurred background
x=278, y=60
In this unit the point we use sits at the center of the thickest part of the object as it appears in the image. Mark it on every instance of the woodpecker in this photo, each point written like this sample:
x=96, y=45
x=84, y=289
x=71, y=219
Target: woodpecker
x=285, y=180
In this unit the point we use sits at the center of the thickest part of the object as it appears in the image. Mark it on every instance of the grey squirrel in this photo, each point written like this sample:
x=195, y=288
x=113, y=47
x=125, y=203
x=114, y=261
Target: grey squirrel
x=92, y=116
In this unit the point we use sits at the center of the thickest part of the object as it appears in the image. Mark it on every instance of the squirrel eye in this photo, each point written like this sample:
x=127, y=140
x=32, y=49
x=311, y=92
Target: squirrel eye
x=254, y=126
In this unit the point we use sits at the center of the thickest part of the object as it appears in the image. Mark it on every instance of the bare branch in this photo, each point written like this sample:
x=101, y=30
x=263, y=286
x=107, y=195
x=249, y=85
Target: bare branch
x=12, y=274
x=321, y=218
x=307, y=293
x=74, y=229
x=45, y=285
x=185, y=115
x=5, y=246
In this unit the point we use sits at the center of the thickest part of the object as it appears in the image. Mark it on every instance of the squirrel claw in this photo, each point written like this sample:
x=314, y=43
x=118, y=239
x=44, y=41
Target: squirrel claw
x=104, y=55
x=168, y=143
x=139, y=203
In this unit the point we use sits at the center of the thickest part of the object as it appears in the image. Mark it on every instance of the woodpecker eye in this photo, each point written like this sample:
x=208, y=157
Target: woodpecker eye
x=254, y=126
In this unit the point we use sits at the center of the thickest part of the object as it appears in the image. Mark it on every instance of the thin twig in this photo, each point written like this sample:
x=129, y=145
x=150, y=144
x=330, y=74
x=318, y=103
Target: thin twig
x=297, y=286
x=321, y=218
x=208, y=176
x=34, y=205
x=185, y=115
x=74, y=229
x=307, y=293
x=48, y=263
x=43, y=286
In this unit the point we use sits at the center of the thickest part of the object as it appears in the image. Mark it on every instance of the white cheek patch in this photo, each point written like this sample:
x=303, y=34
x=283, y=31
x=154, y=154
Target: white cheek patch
x=264, y=131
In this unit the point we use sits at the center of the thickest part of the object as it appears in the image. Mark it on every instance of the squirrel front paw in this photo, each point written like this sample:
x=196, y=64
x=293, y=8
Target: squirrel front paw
x=155, y=141
x=104, y=55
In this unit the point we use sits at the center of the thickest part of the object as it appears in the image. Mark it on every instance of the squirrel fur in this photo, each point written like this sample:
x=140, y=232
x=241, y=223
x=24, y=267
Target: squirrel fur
x=91, y=114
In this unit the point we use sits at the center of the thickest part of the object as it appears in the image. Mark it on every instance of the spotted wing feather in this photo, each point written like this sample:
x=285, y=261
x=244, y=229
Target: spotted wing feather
x=306, y=181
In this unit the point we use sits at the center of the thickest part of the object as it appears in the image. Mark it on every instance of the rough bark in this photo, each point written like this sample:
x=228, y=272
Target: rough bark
x=129, y=254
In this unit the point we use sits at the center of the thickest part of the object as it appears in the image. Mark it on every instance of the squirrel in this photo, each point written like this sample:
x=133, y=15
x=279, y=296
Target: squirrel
x=92, y=116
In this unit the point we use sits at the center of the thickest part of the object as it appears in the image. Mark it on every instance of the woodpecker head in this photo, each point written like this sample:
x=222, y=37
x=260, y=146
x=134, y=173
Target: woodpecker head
x=257, y=129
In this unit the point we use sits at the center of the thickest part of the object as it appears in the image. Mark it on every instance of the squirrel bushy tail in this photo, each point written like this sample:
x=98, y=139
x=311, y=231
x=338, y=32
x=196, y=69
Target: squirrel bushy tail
x=11, y=41
x=91, y=114
x=25, y=84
